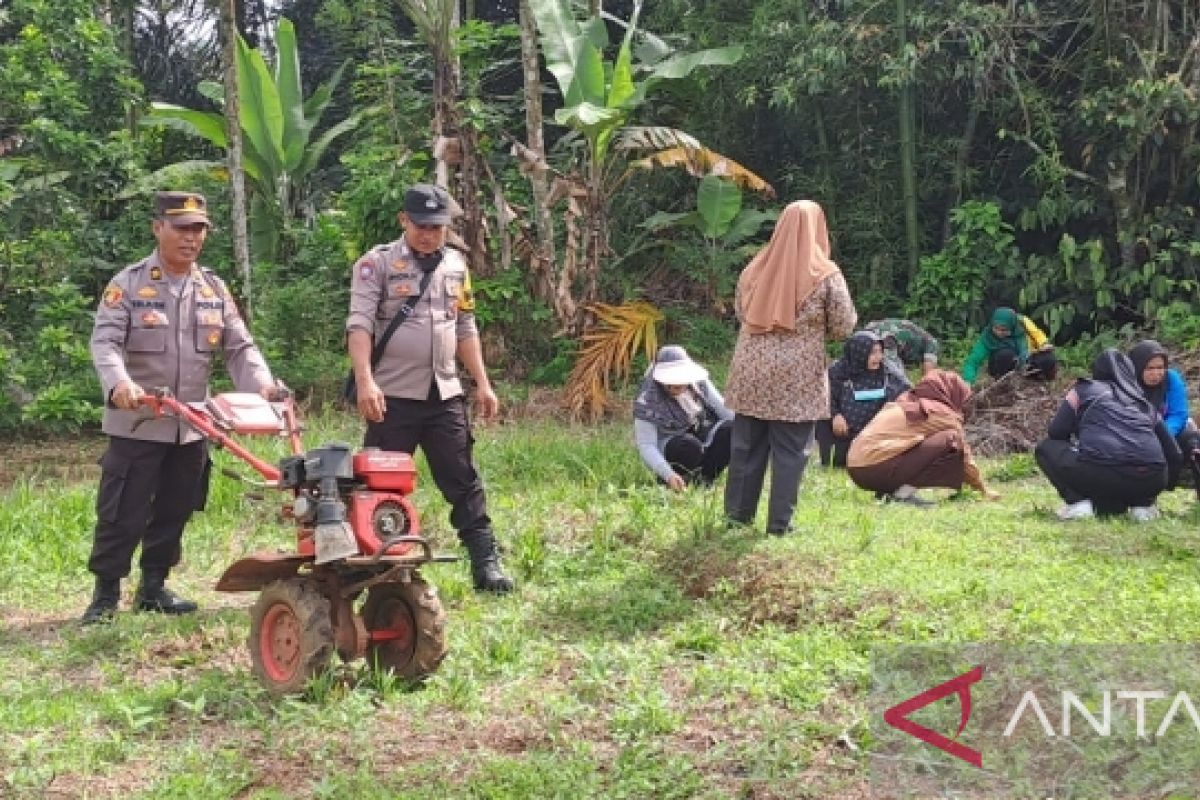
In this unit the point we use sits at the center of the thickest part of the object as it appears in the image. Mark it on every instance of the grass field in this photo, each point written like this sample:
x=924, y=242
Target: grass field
x=649, y=653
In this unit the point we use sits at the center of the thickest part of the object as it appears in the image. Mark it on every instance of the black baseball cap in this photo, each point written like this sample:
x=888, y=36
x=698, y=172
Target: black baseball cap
x=426, y=204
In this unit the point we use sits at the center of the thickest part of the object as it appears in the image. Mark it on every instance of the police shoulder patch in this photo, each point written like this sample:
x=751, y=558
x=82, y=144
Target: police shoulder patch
x=466, y=295
x=113, y=295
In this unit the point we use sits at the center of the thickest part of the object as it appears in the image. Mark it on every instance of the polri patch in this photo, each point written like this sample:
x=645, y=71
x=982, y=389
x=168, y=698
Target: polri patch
x=113, y=295
x=366, y=270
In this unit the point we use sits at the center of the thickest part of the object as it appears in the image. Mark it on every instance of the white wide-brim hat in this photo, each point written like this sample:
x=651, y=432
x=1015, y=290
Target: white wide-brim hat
x=674, y=367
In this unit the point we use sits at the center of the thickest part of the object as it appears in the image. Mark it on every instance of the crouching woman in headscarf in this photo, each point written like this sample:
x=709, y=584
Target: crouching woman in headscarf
x=860, y=382
x=1011, y=341
x=1105, y=453
x=918, y=441
x=1168, y=395
x=680, y=422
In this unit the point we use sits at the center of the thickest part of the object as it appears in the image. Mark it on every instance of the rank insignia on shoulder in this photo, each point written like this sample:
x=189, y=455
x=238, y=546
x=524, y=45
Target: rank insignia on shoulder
x=113, y=295
x=214, y=337
x=147, y=291
x=466, y=295
x=155, y=274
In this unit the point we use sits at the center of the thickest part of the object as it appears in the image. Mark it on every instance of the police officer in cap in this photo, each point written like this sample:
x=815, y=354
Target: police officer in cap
x=160, y=324
x=412, y=396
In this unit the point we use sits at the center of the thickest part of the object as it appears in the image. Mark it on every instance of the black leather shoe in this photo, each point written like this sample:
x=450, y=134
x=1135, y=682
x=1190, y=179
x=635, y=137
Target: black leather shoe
x=156, y=597
x=486, y=572
x=488, y=577
x=105, y=599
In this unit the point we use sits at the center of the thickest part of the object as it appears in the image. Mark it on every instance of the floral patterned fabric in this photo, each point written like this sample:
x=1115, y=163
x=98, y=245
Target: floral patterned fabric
x=783, y=375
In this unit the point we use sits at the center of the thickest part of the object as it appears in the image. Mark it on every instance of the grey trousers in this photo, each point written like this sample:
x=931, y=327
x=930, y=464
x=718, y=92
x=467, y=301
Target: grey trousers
x=754, y=443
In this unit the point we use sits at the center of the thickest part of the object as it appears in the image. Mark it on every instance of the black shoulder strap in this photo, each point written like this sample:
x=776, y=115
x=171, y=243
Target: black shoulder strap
x=404, y=313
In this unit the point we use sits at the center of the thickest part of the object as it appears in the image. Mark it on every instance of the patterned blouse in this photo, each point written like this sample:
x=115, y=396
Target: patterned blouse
x=783, y=376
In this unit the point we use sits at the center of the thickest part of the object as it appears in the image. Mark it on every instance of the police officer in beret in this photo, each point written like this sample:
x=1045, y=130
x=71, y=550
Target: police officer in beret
x=160, y=324
x=412, y=397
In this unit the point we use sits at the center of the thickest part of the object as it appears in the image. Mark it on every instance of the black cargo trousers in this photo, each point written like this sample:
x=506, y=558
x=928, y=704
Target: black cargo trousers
x=148, y=491
x=442, y=430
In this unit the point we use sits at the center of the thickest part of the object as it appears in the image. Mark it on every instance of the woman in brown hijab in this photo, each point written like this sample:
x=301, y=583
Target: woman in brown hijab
x=917, y=441
x=791, y=299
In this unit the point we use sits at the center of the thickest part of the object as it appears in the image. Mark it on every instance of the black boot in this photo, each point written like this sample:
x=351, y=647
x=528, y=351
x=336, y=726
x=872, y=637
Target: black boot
x=153, y=595
x=105, y=599
x=485, y=563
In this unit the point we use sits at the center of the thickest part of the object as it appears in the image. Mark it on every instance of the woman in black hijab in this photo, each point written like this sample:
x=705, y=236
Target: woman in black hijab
x=1104, y=453
x=860, y=382
x=1167, y=392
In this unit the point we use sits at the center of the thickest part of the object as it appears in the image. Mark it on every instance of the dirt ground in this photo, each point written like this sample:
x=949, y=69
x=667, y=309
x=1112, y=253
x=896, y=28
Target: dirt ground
x=69, y=459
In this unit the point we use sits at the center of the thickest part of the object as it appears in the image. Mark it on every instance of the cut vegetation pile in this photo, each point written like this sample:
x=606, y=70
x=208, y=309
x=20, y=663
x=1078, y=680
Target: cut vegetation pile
x=1010, y=415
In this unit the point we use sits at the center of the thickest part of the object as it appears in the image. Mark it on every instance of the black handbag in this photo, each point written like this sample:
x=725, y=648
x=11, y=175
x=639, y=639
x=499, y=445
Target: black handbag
x=350, y=387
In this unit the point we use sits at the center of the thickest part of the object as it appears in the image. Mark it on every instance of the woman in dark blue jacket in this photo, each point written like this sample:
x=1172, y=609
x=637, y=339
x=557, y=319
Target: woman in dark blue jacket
x=1104, y=453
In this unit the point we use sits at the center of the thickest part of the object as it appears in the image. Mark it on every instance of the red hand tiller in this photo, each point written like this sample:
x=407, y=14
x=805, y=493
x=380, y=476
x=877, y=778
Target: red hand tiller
x=357, y=537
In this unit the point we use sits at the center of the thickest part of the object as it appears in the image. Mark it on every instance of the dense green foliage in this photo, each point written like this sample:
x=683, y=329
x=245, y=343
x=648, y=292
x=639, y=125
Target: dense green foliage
x=1055, y=160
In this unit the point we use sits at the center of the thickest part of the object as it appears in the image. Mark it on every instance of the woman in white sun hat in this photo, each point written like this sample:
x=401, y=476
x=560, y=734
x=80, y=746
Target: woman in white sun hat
x=680, y=422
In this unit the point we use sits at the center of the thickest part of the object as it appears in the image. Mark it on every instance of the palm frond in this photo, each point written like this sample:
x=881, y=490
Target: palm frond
x=609, y=349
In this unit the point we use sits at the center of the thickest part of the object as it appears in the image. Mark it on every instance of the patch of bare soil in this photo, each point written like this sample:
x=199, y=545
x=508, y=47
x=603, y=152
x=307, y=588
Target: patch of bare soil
x=769, y=588
x=59, y=459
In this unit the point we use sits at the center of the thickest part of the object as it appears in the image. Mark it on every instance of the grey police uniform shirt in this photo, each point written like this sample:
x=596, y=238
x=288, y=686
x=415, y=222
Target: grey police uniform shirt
x=424, y=347
x=147, y=334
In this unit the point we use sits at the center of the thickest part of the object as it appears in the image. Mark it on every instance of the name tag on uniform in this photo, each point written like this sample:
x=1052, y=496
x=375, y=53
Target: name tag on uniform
x=869, y=394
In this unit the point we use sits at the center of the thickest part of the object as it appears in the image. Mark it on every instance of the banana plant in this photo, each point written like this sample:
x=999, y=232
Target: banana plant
x=725, y=225
x=277, y=124
x=601, y=96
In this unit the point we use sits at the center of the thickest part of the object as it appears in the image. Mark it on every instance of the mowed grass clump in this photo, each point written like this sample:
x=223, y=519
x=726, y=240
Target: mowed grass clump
x=649, y=652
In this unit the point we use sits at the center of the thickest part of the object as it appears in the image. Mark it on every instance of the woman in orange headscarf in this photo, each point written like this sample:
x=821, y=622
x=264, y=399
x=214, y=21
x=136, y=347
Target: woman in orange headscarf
x=791, y=299
x=917, y=441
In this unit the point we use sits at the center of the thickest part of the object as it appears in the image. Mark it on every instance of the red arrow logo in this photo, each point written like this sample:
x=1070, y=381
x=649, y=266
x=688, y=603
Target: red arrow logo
x=897, y=715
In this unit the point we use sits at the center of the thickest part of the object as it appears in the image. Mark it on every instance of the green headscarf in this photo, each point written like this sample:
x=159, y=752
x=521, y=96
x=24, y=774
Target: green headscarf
x=1016, y=339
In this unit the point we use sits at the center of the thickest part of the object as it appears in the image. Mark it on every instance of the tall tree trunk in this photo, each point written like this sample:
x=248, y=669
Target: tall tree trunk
x=233, y=130
x=543, y=261
x=458, y=145
x=594, y=245
x=908, y=176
